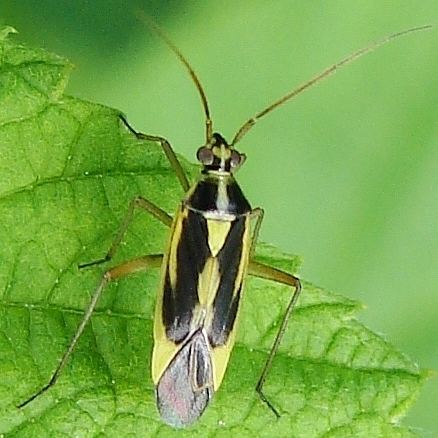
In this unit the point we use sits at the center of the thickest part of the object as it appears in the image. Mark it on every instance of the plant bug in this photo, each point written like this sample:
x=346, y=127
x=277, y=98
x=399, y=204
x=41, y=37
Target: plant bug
x=210, y=251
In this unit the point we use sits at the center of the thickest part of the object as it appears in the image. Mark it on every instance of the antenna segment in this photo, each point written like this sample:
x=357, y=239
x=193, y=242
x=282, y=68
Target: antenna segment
x=160, y=33
x=243, y=130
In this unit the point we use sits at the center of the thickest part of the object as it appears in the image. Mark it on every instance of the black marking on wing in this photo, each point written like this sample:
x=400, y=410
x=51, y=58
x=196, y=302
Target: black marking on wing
x=224, y=305
x=201, y=365
x=192, y=253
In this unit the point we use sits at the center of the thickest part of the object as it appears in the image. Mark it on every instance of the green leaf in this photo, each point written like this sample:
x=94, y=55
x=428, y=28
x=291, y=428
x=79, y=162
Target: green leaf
x=68, y=171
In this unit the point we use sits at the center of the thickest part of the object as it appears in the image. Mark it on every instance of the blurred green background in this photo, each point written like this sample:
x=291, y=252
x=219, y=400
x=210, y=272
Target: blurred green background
x=347, y=174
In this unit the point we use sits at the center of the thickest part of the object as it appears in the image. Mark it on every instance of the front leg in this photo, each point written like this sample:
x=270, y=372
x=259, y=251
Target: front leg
x=168, y=151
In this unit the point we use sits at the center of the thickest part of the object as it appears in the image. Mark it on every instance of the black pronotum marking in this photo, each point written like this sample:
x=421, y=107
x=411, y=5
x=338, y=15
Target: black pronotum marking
x=238, y=204
x=204, y=197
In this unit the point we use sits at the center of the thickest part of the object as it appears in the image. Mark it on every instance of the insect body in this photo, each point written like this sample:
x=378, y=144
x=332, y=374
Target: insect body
x=203, y=275
x=209, y=254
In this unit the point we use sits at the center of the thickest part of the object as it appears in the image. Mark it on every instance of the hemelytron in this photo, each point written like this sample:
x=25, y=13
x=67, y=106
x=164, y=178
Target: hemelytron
x=203, y=269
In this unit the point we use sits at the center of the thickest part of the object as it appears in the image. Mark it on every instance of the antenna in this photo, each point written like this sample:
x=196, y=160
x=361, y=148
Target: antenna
x=243, y=130
x=160, y=33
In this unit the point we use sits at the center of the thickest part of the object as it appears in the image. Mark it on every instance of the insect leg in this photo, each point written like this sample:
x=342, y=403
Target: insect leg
x=137, y=202
x=257, y=214
x=168, y=151
x=263, y=271
x=137, y=265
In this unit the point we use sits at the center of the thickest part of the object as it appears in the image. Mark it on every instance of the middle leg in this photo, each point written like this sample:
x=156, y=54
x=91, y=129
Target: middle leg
x=261, y=270
x=137, y=202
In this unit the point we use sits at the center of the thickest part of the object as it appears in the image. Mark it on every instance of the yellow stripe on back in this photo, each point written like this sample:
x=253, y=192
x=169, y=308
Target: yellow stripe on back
x=208, y=282
x=217, y=233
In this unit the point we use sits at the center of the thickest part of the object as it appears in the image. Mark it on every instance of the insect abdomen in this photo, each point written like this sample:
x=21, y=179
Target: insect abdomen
x=185, y=388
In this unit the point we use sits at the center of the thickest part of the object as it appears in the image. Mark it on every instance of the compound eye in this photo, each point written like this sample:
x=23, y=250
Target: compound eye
x=205, y=156
x=236, y=159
